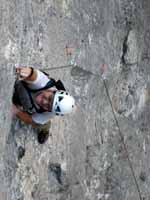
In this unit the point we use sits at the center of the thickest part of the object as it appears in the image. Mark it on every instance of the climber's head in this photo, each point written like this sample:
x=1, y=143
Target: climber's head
x=45, y=99
x=63, y=103
x=56, y=101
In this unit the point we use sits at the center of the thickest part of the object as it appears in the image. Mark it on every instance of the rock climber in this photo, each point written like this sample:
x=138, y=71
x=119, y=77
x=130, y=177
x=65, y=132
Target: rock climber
x=37, y=98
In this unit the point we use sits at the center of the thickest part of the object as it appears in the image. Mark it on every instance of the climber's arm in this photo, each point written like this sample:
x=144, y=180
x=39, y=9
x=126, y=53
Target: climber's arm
x=27, y=73
x=34, y=78
x=24, y=116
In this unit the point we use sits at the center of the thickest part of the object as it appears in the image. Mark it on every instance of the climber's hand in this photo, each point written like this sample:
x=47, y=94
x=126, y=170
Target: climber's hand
x=14, y=110
x=23, y=72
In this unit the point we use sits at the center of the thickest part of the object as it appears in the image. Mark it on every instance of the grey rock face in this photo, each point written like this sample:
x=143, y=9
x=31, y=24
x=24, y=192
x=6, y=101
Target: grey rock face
x=84, y=157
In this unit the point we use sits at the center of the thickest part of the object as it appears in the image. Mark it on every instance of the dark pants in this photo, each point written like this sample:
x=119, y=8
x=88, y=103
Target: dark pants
x=43, y=132
x=43, y=127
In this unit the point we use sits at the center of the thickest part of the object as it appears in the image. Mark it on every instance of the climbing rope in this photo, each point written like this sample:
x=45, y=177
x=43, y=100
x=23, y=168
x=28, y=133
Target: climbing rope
x=56, y=68
x=122, y=139
x=103, y=76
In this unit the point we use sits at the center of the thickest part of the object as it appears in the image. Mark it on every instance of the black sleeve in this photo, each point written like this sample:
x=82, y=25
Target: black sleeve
x=59, y=85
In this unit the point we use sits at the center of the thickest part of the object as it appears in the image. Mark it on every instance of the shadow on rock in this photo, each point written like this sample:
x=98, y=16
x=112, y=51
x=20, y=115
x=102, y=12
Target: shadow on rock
x=57, y=178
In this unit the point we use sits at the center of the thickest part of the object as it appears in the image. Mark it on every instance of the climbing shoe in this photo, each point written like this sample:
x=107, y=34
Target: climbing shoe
x=43, y=136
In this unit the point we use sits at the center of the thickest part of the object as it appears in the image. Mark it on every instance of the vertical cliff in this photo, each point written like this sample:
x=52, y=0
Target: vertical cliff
x=84, y=157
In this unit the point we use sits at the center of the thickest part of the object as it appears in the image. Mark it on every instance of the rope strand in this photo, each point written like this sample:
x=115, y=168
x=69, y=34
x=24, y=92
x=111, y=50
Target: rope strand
x=117, y=123
x=123, y=142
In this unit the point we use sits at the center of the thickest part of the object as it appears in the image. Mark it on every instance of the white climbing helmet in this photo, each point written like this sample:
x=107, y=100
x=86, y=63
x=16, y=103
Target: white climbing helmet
x=63, y=103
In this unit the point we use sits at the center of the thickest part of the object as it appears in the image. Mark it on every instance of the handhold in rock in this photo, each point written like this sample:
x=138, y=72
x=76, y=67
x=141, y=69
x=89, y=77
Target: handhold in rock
x=143, y=176
x=21, y=152
x=56, y=169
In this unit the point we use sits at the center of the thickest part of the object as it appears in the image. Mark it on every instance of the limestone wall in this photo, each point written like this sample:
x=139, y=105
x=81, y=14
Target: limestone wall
x=84, y=157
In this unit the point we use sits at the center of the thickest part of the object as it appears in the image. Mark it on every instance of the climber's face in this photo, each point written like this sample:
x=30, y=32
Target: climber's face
x=45, y=99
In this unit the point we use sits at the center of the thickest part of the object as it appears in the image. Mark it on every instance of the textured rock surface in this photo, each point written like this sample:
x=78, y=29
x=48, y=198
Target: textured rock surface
x=84, y=158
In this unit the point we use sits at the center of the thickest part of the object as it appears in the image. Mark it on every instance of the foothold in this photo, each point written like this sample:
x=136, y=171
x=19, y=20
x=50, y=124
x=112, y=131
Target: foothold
x=124, y=49
x=52, y=11
x=25, y=29
x=21, y=152
x=56, y=169
x=120, y=111
x=143, y=176
x=131, y=90
x=79, y=72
